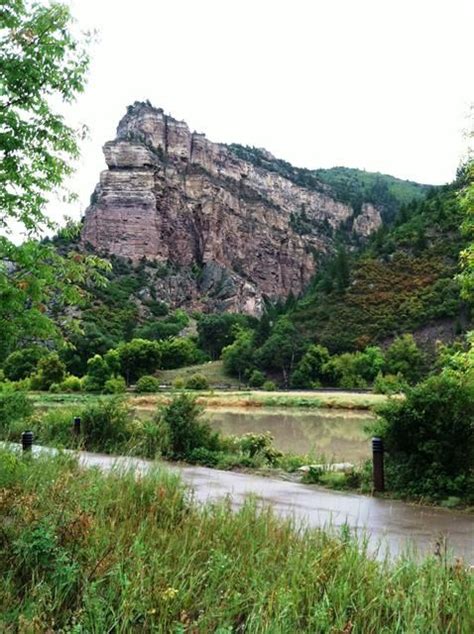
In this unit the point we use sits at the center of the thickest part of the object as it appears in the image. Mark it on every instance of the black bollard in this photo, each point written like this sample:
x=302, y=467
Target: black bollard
x=27, y=440
x=377, y=458
x=77, y=425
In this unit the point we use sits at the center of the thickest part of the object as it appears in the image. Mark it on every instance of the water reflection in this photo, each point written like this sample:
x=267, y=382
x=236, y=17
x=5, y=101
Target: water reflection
x=337, y=434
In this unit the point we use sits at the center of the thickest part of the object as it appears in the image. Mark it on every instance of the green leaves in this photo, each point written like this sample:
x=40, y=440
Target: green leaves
x=41, y=62
x=36, y=284
x=467, y=255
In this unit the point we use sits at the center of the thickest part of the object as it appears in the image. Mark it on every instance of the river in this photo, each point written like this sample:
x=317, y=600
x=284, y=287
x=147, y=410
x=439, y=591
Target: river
x=333, y=435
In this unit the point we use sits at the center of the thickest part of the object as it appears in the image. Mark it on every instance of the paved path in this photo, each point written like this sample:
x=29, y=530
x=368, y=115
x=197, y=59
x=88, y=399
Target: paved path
x=394, y=523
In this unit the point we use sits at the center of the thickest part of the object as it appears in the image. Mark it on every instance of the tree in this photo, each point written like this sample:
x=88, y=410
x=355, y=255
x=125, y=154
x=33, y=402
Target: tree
x=369, y=362
x=341, y=270
x=187, y=431
x=310, y=369
x=178, y=352
x=429, y=438
x=42, y=61
x=281, y=350
x=139, y=357
x=467, y=256
x=238, y=357
x=404, y=357
x=51, y=370
x=217, y=331
x=98, y=373
x=21, y=363
x=41, y=64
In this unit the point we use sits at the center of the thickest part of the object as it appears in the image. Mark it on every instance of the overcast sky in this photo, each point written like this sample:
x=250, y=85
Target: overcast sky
x=382, y=85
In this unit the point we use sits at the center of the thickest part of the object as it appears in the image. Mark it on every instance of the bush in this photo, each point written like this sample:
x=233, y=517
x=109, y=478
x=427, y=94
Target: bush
x=105, y=425
x=24, y=385
x=197, y=382
x=98, y=373
x=50, y=370
x=115, y=385
x=389, y=384
x=138, y=357
x=404, y=357
x=14, y=406
x=259, y=445
x=269, y=386
x=256, y=379
x=179, y=382
x=54, y=388
x=429, y=438
x=71, y=384
x=151, y=438
x=35, y=381
x=309, y=370
x=21, y=363
x=186, y=429
x=146, y=384
x=205, y=457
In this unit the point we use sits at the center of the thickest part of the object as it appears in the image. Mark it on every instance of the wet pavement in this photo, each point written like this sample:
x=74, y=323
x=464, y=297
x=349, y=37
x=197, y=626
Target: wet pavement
x=391, y=526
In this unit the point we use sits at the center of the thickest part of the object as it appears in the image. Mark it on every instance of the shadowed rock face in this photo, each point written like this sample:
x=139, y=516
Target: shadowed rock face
x=172, y=196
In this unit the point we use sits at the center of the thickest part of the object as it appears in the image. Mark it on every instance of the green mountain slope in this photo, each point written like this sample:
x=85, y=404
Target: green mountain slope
x=403, y=280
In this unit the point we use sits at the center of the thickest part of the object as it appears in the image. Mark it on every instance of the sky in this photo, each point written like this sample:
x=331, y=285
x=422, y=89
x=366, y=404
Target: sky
x=382, y=85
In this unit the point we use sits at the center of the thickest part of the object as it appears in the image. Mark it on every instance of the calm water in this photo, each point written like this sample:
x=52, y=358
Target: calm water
x=337, y=434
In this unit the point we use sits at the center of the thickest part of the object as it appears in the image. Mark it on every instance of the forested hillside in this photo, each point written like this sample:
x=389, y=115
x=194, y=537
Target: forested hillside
x=402, y=281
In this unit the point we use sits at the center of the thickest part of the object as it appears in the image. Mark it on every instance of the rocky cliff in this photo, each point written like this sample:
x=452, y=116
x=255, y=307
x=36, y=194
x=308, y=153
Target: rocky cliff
x=225, y=231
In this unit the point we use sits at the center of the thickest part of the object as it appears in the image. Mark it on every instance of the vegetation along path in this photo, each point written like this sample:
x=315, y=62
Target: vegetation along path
x=390, y=525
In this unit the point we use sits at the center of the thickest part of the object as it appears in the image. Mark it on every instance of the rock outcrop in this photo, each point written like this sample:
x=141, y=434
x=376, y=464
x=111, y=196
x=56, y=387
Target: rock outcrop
x=230, y=232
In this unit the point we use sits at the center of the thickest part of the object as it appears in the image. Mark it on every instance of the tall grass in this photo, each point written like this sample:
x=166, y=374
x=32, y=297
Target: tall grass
x=81, y=551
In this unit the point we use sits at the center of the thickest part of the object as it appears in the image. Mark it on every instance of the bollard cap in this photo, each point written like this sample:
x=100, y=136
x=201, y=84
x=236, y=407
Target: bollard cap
x=377, y=444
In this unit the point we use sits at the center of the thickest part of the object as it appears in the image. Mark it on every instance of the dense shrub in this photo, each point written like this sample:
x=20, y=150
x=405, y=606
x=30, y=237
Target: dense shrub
x=269, y=386
x=14, y=406
x=259, y=445
x=115, y=385
x=405, y=357
x=179, y=352
x=147, y=383
x=105, y=425
x=429, y=438
x=21, y=363
x=139, y=357
x=389, y=384
x=50, y=370
x=187, y=430
x=98, y=372
x=256, y=378
x=197, y=382
x=310, y=370
x=71, y=384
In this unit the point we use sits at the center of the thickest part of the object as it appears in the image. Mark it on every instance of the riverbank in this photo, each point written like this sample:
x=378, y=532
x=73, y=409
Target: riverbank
x=241, y=399
x=93, y=551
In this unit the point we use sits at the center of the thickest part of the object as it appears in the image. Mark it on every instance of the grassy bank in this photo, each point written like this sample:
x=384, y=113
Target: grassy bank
x=213, y=371
x=84, y=552
x=219, y=398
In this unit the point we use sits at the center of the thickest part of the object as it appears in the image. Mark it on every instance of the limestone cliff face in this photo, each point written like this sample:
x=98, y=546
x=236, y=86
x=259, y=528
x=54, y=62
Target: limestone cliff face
x=231, y=232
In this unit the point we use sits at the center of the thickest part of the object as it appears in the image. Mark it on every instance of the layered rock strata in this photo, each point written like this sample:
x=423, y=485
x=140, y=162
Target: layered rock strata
x=231, y=232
